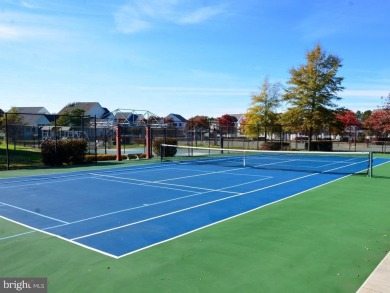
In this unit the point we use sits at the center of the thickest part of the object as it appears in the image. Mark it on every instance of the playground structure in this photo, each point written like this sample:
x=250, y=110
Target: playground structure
x=131, y=117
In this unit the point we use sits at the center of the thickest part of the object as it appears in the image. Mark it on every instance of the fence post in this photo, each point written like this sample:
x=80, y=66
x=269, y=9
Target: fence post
x=6, y=140
x=148, y=137
x=55, y=140
x=118, y=143
x=96, y=140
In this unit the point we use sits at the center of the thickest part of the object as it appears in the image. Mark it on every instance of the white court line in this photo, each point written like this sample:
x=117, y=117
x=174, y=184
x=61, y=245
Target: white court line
x=178, y=236
x=34, y=213
x=203, y=204
x=152, y=184
x=190, y=208
x=59, y=237
x=146, y=205
x=17, y=235
x=40, y=182
x=205, y=174
x=221, y=189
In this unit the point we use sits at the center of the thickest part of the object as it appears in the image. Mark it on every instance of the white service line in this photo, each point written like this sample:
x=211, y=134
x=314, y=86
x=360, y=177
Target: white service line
x=190, y=208
x=34, y=213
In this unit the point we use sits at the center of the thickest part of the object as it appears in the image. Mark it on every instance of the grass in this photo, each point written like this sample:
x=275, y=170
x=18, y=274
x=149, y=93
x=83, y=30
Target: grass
x=20, y=157
x=325, y=240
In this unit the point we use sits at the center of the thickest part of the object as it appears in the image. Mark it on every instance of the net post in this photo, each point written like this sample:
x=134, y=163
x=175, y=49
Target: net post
x=161, y=152
x=244, y=158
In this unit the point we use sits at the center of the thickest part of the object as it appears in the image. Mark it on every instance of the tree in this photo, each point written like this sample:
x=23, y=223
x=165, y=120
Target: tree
x=226, y=123
x=74, y=118
x=362, y=116
x=12, y=122
x=262, y=111
x=386, y=102
x=64, y=119
x=196, y=126
x=349, y=121
x=313, y=88
x=196, y=123
x=349, y=118
x=169, y=120
x=379, y=120
x=13, y=117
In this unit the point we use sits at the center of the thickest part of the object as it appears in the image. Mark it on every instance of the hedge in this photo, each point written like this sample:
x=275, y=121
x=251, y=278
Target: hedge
x=169, y=151
x=60, y=152
x=275, y=146
x=112, y=157
x=324, y=146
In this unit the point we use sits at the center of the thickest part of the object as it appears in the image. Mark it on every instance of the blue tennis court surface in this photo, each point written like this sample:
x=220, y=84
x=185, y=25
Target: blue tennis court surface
x=123, y=210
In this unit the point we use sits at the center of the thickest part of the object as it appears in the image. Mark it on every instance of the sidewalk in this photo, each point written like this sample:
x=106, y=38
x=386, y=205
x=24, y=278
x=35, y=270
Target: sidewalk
x=379, y=280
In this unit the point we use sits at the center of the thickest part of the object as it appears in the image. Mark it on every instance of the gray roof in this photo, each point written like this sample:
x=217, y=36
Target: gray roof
x=33, y=116
x=86, y=106
x=31, y=110
x=179, y=117
x=237, y=117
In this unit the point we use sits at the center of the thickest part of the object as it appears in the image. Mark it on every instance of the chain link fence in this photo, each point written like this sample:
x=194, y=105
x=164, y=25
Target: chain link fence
x=22, y=134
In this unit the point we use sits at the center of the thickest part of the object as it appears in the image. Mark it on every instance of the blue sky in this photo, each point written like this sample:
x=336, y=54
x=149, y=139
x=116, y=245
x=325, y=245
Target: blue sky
x=191, y=57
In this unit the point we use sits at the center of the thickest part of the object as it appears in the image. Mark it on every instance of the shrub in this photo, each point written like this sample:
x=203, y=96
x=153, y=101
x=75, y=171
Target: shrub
x=169, y=151
x=326, y=146
x=62, y=152
x=102, y=157
x=274, y=146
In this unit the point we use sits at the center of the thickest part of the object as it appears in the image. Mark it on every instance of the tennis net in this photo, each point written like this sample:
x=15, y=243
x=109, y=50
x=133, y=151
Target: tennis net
x=305, y=161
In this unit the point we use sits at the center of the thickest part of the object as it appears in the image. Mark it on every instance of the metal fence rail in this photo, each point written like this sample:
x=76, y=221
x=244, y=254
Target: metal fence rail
x=21, y=135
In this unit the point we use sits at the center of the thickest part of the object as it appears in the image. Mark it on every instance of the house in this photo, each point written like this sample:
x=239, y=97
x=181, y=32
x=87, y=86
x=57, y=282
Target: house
x=33, y=116
x=91, y=109
x=128, y=118
x=178, y=121
x=33, y=119
x=237, y=119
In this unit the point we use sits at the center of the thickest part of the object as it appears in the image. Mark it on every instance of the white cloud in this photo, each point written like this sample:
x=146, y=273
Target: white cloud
x=8, y=32
x=365, y=93
x=200, y=15
x=139, y=15
x=14, y=33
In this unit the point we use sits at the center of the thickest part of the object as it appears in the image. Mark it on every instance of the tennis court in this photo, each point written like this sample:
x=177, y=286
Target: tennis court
x=124, y=210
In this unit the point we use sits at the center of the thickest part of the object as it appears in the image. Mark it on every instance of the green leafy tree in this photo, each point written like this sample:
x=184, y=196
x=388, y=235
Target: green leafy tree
x=313, y=88
x=13, y=118
x=74, y=118
x=64, y=119
x=362, y=116
x=262, y=111
x=14, y=121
